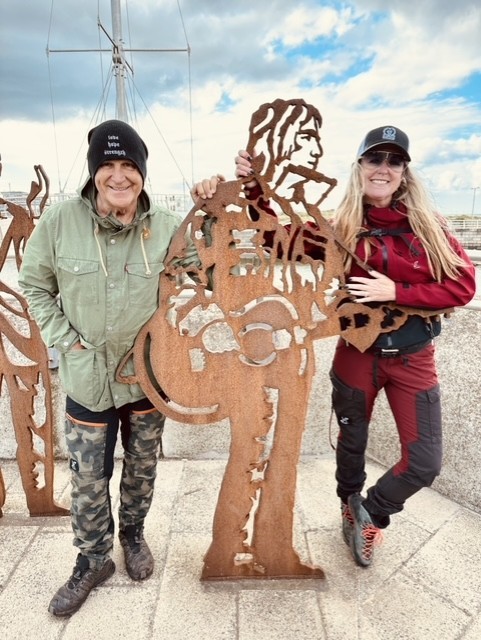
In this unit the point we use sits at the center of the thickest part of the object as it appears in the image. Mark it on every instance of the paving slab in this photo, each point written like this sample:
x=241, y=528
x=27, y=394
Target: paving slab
x=424, y=583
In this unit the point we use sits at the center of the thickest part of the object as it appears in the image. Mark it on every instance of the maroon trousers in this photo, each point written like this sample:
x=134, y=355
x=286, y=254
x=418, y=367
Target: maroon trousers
x=412, y=390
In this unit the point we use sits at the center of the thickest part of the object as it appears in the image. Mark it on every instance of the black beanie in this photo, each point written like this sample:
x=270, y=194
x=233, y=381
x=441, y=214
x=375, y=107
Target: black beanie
x=116, y=140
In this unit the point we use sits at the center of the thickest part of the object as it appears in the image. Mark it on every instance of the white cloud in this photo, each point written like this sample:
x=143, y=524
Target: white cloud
x=305, y=24
x=366, y=63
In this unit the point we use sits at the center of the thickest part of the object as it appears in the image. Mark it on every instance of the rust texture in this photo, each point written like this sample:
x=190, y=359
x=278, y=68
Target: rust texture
x=234, y=338
x=24, y=368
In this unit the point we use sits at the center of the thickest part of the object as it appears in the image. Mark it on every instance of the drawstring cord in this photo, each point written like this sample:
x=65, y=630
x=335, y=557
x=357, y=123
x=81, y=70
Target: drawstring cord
x=330, y=429
x=96, y=233
x=145, y=235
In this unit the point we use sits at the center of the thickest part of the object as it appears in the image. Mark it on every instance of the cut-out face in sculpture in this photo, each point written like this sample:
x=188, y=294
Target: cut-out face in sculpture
x=286, y=138
x=307, y=144
x=294, y=138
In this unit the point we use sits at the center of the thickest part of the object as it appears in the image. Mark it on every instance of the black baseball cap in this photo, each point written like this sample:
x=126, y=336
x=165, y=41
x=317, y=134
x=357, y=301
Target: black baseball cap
x=385, y=135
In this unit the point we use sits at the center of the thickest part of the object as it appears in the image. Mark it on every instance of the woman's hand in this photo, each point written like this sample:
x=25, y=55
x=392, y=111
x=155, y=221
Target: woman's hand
x=206, y=188
x=377, y=288
x=243, y=168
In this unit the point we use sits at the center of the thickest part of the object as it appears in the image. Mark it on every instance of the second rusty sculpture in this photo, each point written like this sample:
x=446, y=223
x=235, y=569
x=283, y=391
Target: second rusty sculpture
x=24, y=369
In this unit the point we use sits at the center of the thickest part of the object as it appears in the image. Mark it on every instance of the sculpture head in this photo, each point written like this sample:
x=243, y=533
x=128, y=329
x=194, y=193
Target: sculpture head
x=285, y=132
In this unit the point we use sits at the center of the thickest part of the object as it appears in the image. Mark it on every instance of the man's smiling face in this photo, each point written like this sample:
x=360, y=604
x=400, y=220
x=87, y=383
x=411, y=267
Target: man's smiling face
x=119, y=184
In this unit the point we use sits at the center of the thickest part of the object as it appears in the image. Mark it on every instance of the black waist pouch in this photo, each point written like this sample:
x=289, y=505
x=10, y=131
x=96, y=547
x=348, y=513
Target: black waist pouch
x=414, y=331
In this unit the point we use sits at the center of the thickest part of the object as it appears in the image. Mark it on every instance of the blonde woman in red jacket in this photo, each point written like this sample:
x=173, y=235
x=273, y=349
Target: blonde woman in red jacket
x=387, y=220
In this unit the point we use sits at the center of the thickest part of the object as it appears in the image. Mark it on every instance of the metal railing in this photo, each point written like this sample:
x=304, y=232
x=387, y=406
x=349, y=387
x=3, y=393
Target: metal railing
x=470, y=224
x=179, y=202
x=467, y=230
x=475, y=304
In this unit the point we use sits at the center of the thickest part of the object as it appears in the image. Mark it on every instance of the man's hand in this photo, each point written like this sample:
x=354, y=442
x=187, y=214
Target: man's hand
x=206, y=188
x=377, y=288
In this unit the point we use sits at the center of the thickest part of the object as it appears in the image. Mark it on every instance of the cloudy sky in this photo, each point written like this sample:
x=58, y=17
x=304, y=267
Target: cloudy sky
x=363, y=63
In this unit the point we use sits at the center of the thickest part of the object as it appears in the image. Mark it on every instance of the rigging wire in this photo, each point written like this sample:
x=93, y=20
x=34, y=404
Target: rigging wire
x=131, y=57
x=51, y=96
x=190, y=123
x=61, y=187
x=96, y=117
x=131, y=85
x=190, y=93
x=184, y=179
x=99, y=32
x=101, y=107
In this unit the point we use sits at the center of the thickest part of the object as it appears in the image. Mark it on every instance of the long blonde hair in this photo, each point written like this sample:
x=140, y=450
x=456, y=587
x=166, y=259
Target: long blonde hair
x=426, y=223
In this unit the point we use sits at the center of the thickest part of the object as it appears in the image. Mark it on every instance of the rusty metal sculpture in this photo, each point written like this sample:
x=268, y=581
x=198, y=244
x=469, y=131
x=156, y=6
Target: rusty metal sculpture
x=235, y=339
x=24, y=369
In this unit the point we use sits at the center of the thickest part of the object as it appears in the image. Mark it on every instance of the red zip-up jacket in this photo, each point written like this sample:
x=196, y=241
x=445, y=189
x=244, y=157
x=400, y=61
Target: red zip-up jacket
x=403, y=259
x=400, y=257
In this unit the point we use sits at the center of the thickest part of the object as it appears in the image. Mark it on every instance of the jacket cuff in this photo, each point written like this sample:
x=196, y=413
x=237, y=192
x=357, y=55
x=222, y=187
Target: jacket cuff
x=67, y=342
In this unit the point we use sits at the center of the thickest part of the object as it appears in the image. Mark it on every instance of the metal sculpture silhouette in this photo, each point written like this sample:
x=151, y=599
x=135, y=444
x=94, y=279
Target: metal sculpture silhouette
x=235, y=338
x=24, y=369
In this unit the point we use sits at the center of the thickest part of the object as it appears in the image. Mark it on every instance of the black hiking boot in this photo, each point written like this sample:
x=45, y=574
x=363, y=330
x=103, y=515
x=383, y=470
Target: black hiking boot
x=138, y=558
x=71, y=596
x=365, y=535
x=347, y=523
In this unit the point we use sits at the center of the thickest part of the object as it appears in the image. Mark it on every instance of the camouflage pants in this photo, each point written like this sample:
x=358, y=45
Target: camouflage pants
x=91, y=438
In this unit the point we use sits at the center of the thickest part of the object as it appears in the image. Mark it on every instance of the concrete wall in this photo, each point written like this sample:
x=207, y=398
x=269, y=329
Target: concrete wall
x=458, y=357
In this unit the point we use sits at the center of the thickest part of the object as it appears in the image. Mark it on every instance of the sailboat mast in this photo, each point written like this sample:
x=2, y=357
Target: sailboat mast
x=118, y=61
x=121, y=68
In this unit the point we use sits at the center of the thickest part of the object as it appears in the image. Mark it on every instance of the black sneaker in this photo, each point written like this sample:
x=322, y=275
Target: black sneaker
x=347, y=523
x=71, y=596
x=138, y=558
x=365, y=536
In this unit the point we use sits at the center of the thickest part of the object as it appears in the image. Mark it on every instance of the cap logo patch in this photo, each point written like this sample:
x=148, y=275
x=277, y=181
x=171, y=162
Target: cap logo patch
x=389, y=133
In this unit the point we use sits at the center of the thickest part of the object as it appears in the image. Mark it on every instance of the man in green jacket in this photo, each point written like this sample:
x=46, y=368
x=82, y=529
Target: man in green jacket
x=90, y=274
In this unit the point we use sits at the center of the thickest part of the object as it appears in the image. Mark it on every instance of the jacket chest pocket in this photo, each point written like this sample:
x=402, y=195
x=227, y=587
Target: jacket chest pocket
x=78, y=280
x=143, y=288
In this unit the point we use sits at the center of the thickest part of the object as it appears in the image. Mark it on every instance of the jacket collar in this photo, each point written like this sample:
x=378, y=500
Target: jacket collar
x=393, y=216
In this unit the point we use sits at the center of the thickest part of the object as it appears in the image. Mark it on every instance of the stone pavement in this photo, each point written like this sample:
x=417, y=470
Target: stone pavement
x=425, y=583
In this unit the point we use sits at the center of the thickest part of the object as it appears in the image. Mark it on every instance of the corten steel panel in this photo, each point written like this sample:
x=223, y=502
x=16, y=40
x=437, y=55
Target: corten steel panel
x=234, y=338
x=24, y=370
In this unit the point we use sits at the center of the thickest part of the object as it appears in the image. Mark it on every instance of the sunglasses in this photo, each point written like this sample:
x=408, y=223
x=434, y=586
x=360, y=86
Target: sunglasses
x=374, y=159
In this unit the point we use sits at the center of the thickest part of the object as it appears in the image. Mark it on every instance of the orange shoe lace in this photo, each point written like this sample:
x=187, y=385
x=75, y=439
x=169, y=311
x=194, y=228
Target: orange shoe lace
x=373, y=537
x=347, y=515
